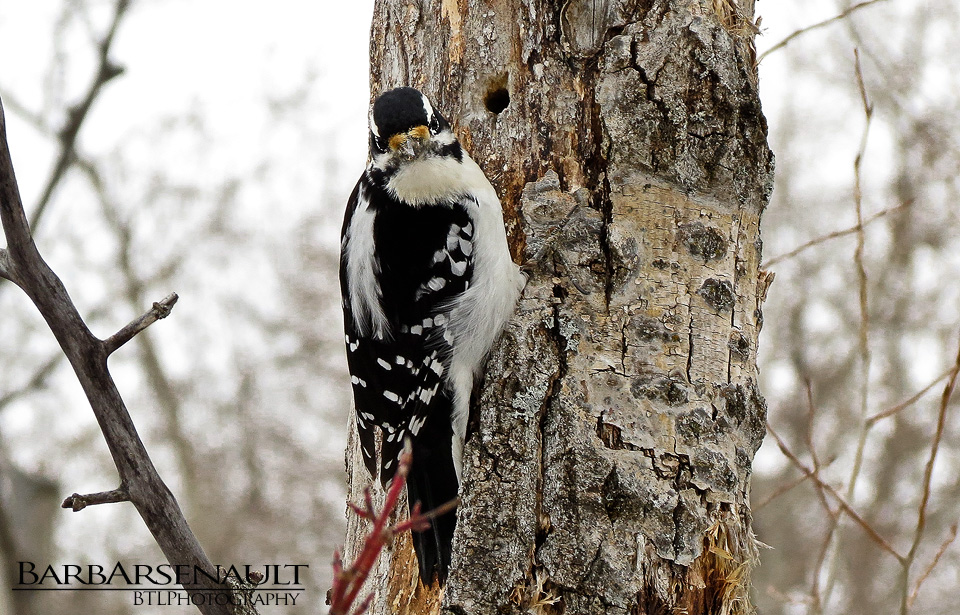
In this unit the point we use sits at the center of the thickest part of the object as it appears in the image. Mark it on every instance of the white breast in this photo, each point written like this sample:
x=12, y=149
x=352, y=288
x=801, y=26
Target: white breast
x=482, y=311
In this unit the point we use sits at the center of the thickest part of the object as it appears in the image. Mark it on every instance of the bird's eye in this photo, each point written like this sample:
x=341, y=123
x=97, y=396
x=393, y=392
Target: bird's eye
x=379, y=143
x=434, y=124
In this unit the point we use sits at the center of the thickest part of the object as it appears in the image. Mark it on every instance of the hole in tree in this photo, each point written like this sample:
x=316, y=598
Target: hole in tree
x=497, y=99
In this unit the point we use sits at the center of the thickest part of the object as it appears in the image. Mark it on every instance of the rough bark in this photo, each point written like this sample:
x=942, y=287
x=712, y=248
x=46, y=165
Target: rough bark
x=608, y=470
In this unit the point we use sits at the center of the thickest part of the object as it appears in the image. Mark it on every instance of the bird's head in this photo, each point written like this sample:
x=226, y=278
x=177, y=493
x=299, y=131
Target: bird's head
x=404, y=126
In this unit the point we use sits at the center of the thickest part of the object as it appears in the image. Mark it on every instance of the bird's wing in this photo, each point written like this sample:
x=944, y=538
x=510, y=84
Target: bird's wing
x=424, y=260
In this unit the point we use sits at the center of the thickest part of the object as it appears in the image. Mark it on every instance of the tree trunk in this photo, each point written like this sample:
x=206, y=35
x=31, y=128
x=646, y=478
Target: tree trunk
x=608, y=470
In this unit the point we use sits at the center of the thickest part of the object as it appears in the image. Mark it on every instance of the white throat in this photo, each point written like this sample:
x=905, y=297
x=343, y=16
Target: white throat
x=428, y=180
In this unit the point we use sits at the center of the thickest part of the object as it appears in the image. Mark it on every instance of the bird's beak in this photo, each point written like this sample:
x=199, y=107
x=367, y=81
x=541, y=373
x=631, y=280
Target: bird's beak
x=410, y=144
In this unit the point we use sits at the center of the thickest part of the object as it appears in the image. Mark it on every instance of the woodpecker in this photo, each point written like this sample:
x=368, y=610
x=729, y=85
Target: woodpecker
x=428, y=284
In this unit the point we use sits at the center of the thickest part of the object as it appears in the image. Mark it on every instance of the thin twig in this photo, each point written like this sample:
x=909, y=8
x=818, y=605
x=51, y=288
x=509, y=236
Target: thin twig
x=811, y=421
x=841, y=501
x=161, y=309
x=933, y=564
x=416, y=522
x=779, y=492
x=106, y=71
x=864, y=329
x=927, y=482
x=834, y=235
x=821, y=24
x=811, y=415
x=33, y=383
x=909, y=401
x=12, y=103
x=815, y=594
x=78, y=502
x=347, y=583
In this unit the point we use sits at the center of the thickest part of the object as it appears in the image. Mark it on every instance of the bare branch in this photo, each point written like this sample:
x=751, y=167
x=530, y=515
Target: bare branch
x=862, y=285
x=811, y=416
x=811, y=422
x=847, y=508
x=927, y=482
x=782, y=489
x=864, y=99
x=106, y=71
x=863, y=331
x=12, y=103
x=161, y=309
x=856, y=228
x=416, y=521
x=87, y=355
x=818, y=25
x=15, y=227
x=33, y=383
x=815, y=593
x=933, y=564
x=911, y=400
x=78, y=502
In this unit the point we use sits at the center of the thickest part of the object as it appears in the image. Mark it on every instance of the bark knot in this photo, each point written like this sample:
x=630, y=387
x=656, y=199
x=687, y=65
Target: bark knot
x=718, y=294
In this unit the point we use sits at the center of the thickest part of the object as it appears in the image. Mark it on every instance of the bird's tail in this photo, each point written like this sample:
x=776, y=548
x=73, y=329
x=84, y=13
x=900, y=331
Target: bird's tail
x=433, y=482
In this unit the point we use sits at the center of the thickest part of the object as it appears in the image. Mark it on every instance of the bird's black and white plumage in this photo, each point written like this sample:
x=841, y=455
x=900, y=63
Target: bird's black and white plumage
x=427, y=284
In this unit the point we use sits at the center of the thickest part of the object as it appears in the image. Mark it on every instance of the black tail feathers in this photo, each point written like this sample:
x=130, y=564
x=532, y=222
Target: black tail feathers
x=433, y=482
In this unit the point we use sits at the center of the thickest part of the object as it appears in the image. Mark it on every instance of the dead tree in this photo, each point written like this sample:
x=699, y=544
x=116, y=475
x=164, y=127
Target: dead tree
x=608, y=470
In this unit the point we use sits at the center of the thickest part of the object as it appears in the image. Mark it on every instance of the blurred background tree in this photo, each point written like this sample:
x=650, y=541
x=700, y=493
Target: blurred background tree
x=217, y=164
x=859, y=324
x=212, y=166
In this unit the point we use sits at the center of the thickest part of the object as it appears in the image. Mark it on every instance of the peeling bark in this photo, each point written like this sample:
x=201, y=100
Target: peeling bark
x=608, y=471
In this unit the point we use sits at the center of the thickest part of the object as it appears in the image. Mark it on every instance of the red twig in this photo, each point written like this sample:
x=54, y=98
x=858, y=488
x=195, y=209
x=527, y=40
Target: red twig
x=347, y=583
